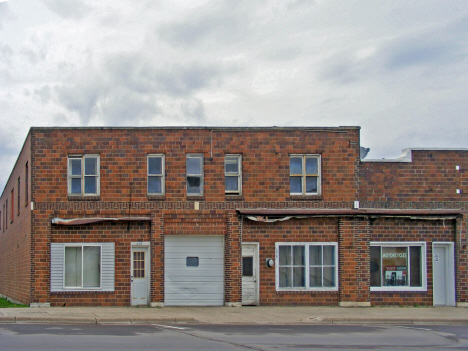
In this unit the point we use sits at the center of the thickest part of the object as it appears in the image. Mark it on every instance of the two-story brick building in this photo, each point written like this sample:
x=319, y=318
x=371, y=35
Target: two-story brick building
x=229, y=216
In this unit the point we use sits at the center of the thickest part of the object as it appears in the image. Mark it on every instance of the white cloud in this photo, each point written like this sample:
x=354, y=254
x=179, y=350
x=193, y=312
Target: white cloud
x=398, y=69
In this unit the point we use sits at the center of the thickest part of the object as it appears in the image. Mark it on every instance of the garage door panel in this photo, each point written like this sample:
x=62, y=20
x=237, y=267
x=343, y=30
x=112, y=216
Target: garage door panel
x=201, y=285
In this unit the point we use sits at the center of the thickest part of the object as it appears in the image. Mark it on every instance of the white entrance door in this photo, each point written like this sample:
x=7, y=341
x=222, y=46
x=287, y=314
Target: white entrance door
x=193, y=270
x=140, y=275
x=250, y=273
x=443, y=274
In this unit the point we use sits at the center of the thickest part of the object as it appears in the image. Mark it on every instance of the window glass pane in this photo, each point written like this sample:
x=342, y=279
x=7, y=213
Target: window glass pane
x=154, y=185
x=395, y=266
x=311, y=165
x=299, y=277
x=315, y=277
x=90, y=165
x=285, y=255
x=76, y=185
x=311, y=185
x=285, y=277
x=91, y=266
x=295, y=165
x=329, y=255
x=315, y=255
x=155, y=165
x=375, y=272
x=192, y=261
x=232, y=184
x=328, y=277
x=73, y=266
x=194, y=165
x=75, y=166
x=296, y=185
x=299, y=255
x=231, y=165
x=247, y=266
x=416, y=274
x=90, y=185
x=193, y=185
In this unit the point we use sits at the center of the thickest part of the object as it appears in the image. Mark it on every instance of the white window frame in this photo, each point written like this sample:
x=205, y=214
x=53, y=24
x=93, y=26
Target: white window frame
x=201, y=175
x=307, y=266
x=83, y=175
x=406, y=244
x=237, y=174
x=304, y=176
x=57, y=267
x=82, y=246
x=162, y=175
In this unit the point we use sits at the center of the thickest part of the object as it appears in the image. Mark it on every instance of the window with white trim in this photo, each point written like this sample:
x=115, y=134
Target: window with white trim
x=304, y=174
x=156, y=175
x=306, y=266
x=194, y=168
x=398, y=266
x=83, y=175
x=82, y=266
x=233, y=174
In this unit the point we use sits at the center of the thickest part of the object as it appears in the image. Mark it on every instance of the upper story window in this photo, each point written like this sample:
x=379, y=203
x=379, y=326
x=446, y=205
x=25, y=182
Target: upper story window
x=26, y=184
x=155, y=174
x=304, y=174
x=12, y=205
x=194, y=165
x=19, y=196
x=233, y=174
x=306, y=266
x=83, y=175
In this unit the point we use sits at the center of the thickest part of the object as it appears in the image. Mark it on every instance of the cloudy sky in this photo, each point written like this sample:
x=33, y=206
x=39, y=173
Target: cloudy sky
x=398, y=69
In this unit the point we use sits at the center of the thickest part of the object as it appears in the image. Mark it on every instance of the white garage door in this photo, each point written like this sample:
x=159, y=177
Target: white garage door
x=194, y=270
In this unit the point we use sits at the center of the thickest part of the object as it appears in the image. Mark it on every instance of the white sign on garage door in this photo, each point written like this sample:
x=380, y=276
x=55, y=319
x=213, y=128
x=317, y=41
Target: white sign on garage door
x=193, y=270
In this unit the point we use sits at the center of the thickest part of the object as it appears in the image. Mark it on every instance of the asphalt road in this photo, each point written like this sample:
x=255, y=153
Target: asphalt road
x=232, y=337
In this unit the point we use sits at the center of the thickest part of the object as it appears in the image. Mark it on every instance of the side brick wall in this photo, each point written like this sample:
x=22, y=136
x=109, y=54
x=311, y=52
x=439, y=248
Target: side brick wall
x=15, y=236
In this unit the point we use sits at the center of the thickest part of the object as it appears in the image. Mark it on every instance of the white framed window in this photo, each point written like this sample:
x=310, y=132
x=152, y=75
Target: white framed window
x=82, y=266
x=305, y=174
x=155, y=166
x=398, y=266
x=306, y=266
x=194, y=167
x=233, y=174
x=83, y=175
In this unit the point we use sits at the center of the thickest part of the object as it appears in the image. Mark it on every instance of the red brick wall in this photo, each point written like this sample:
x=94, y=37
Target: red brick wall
x=294, y=230
x=123, y=154
x=429, y=181
x=388, y=230
x=117, y=233
x=15, y=239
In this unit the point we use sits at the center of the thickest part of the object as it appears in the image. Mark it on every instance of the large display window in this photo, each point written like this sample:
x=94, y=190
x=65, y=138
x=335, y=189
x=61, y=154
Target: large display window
x=398, y=266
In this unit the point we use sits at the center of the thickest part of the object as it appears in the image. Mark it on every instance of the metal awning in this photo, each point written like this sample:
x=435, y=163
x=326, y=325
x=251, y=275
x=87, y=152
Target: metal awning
x=81, y=221
x=265, y=214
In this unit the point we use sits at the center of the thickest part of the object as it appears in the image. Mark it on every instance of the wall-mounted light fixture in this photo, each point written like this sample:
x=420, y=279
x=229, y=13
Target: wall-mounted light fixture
x=270, y=262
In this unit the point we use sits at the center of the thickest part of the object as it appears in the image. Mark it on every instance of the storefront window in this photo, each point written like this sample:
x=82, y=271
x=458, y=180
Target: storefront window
x=396, y=266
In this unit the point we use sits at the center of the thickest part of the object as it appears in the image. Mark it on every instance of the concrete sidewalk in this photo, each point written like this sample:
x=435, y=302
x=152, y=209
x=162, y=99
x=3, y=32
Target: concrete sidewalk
x=235, y=315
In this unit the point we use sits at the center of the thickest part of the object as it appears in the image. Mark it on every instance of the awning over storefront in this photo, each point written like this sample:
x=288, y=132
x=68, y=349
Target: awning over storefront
x=273, y=215
x=81, y=221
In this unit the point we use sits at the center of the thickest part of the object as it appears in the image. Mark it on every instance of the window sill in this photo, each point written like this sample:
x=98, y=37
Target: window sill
x=396, y=289
x=195, y=198
x=305, y=197
x=84, y=198
x=156, y=197
x=306, y=291
x=75, y=292
x=234, y=197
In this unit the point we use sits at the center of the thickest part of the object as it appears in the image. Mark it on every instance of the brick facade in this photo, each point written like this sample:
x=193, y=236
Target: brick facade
x=430, y=181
